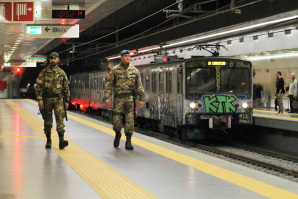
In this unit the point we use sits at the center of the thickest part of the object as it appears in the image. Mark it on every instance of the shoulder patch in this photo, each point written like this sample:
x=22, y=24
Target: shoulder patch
x=41, y=74
x=111, y=72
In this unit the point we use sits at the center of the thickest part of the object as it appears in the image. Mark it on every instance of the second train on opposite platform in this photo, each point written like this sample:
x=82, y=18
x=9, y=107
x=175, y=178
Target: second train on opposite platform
x=186, y=98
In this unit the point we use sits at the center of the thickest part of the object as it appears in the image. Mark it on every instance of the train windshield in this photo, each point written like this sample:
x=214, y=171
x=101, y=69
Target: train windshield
x=234, y=80
x=200, y=80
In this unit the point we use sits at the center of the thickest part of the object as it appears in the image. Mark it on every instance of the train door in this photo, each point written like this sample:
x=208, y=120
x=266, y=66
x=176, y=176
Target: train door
x=146, y=74
x=100, y=90
x=92, y=89
x=153, y=94
x=178, y=80
x=96, y=90
x=168, y=99
x=90, y=81
x=104, y=79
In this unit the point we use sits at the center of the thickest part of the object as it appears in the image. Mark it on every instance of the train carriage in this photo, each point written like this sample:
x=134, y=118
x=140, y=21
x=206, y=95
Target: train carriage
x=184, y=97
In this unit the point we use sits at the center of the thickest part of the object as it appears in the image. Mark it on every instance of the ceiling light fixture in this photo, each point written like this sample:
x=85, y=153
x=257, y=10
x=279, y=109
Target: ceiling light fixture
x=285, y=55
x=219, y=34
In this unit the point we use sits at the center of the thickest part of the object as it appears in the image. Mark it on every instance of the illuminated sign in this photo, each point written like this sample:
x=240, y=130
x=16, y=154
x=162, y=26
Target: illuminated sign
x=28, y=64
x=52, y=31
x=6, y=64
x=33, y=30
x=36, y=59
x=217, y=63
x=68, y=14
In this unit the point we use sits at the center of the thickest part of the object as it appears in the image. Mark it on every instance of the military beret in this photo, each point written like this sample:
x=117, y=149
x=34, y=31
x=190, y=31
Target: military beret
x=54, y=54
x=123, y=52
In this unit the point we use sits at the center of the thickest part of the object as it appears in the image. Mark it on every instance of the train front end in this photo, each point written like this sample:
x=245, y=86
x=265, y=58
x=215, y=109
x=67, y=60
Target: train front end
x=218, y=95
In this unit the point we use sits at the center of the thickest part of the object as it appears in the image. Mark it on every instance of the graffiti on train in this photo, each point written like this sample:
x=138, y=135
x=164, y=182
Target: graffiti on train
x=219, y=103
x=194, y=134
x=244, y=119
x=239, y=64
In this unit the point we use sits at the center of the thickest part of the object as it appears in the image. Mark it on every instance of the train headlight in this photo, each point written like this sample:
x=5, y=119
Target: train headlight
x=245, y=105
x=192, y=105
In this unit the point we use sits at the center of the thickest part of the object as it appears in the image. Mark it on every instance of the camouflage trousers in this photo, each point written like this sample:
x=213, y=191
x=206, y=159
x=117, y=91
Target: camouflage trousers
x=123, y=105
x=55, y=104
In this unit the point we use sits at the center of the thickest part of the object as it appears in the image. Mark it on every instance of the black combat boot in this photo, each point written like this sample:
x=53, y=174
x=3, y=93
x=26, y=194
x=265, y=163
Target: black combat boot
x=49, y=141
x=117, y=139
x=128, y=145
x=62, y=143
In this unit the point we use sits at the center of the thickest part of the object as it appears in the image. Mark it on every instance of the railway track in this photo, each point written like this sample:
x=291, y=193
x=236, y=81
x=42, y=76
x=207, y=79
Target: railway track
x=226, y=152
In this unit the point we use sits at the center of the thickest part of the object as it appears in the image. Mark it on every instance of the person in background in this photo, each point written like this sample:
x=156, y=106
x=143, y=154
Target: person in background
x=275, y=100
x=280, y=93
x=124, y=81
x=292, y=90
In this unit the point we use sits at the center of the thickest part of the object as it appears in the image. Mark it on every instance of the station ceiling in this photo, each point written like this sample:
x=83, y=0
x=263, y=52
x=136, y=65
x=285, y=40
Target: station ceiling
x=113, y=25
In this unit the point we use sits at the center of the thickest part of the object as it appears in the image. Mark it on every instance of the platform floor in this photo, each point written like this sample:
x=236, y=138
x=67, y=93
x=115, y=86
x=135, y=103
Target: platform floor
x=90, y=167
x=267, y=117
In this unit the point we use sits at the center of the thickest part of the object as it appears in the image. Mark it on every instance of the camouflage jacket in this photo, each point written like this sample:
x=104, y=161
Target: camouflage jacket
x=49, y=81
x=121, y=81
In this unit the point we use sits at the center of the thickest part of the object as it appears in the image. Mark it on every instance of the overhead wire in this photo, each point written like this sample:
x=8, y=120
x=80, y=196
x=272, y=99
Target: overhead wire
x=119, y=29
x=187, y=22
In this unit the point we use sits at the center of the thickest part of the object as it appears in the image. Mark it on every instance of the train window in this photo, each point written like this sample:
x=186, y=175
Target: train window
x=200, y=80
x=97, y=83
x=179, y=80
x=234, y=80
x=160, y=78
x=100, y=83
x=147, y=79
x=142, y=78
x=153, y=82
x=87, y=83
x=104, y=83
x=83, y=85
x=91, y=83
x=169, y=82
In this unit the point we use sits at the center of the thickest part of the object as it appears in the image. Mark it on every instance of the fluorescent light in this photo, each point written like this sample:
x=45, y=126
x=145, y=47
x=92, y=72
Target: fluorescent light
x=143, y=51
x=116, y=57
x=272, y=56
x=18, y=40
x=217, y=34
x=232, y=31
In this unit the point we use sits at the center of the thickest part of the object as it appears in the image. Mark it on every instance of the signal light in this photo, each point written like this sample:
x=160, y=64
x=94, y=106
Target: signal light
x=18, y=70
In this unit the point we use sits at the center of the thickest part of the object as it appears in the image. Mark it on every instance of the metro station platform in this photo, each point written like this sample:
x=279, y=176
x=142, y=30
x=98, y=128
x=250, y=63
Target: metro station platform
x=267, y=117
x=90, y=167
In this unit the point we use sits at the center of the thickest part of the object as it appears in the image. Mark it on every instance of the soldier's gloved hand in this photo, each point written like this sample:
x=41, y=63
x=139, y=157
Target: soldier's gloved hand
x=108, y=102
x=66, y=105
x=40, y=104
x=141, y=104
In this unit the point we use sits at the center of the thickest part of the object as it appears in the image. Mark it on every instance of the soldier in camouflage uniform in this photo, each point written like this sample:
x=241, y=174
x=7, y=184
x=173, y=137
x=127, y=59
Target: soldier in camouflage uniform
x=123, y=80
x=50, y=84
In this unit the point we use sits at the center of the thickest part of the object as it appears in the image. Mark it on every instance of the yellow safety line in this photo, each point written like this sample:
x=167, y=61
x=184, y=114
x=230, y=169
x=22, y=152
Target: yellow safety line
x=20, y=136
x=105, y=180
x=277, y=117
x=275, y=112
x=240, y=180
